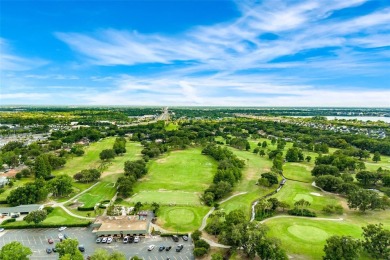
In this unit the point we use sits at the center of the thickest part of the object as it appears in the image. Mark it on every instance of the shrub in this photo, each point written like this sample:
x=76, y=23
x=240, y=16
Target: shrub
x=23, y=226
x=196, y=235
x=85, y=209
x=301, y=212
x=200, y=251
x=202, y=243
x=8, y=221
x=48, y=209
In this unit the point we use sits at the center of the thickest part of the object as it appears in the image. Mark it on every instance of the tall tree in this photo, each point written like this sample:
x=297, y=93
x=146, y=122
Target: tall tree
x=36, y=216
x=69, y=248
x=377, y=241
x=342, y=248
x=377, y=157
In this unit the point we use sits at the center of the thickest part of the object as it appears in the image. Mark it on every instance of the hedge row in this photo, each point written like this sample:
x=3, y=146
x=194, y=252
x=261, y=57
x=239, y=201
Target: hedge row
x=172, y=234
x=3, y=202
x=85, y=209
x=8, y=221
x=44, y=226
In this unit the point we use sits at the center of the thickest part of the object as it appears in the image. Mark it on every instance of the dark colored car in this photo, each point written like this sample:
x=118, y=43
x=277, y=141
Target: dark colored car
x=48, y=250
x=161, y=248
x=179, y=248
x=175, y=238
x=66, y=236
x=54, y=250
x=131, y=239
x=168, y=248
x=81, y=248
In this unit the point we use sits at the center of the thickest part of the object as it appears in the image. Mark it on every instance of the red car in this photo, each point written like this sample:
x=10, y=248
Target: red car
x=50, y=241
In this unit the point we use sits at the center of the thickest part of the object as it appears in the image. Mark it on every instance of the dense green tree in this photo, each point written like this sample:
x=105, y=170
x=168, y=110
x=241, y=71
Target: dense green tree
x=86, y=176
x=271, y=177
x=61, y=185
x=107, y=154
x=377, y=241
x=308, y=158
x=366, y=178
x=269, y=249
x=377, y=157
x=125, y=185
x=277, y=163
x=135, y=168
x=196, y=235
x=36, y=216
x=342, y=248
x=261, y=153
x=324, y=169
x=69, y=248
x=329, y=182
x=216, y=256
x=31, y=193
x=264, y=144
x=365, y=200
x=294, y=154
x=103, y=254
x=120, y=145
x=42, y=168
x=15, y=251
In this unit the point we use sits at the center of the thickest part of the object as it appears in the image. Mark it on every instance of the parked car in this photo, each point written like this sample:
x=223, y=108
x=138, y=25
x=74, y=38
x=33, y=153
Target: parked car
x=54, y=250
x=61, y=229
x=179, y=248
x=185, y=238
x=15, y=216
x=150, y=248
x=50, y=241
x=161, y=248
x=109, y=240
x=125, y=240
x=60, y=236
x=1, y=229
x=175, y=238
x=136, y=239
x=98, y=240
x=131, y=239
x=104, y=240
x=168, y=248
x=81, y=248
x=66, y=236
x=48, y=250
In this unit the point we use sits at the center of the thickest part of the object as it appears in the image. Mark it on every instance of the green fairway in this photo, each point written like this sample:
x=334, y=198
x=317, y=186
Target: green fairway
x=17, y=183
x=181, y=219
x=306, y=237
x=57, y=217
x=102, y=191
x=186, y=170
x=167, y=197
x=294, y=191
x=373, y=166
x=298, y=171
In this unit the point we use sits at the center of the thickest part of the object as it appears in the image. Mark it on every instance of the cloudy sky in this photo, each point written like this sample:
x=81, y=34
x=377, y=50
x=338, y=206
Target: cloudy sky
x=201, y=53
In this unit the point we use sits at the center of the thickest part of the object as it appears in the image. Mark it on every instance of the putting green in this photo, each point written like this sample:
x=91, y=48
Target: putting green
x=306, y=197
x=181, y=216
x=308, y=233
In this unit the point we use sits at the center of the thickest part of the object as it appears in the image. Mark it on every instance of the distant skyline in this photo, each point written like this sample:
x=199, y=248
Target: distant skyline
x=317, y=53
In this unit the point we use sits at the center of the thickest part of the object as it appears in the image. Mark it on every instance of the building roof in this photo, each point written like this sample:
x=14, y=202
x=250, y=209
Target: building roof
x=21, y=208
x=120, y=223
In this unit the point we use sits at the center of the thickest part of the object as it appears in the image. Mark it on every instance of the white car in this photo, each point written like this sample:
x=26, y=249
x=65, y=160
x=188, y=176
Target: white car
x=109, y=240
x=136, y=239
x=60, y=236
x=150, y=248
x=61, y=229
x=104, y=240
x=1, y=229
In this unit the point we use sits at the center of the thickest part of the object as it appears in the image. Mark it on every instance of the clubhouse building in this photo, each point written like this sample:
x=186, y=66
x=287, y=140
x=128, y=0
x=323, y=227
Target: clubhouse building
x=121, y=226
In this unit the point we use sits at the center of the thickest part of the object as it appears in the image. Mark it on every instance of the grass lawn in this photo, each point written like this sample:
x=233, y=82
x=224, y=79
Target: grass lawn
x=298, y=171
x=58, y=217
x=167, y=197
x=302, y=236
x=171, y=126
x=91, y=158
x=185, y=170
x=102, y=191
x=181, y=218
x=294, y=191
x=373, y=166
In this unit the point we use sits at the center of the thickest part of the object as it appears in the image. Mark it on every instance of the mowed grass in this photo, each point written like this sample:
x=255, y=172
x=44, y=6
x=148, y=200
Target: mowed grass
x=294, y=191
x=102, y=191
x=373, y=166
x=17, y=183
x=181, y=218
x=167, y=197
x=91, y=159
x=185, y=170
x=298, y=171
x=305, y=237
x=171, y=126
x=57, y=217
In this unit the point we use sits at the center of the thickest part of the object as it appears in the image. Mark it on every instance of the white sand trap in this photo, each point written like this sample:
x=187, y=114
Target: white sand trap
x=315, y=194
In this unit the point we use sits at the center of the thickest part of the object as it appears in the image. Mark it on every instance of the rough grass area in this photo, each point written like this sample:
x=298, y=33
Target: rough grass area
x=102, y=191
x=181, y=218
x=58, y=217
x=306, y=237
x=169, y=197
x=186, y=170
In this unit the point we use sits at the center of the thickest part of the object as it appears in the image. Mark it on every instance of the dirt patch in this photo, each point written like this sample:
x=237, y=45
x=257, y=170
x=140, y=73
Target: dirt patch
x=162, y=160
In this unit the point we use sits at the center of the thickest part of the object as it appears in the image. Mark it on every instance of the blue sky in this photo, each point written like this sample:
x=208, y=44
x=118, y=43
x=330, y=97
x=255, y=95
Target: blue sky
x=200, y=53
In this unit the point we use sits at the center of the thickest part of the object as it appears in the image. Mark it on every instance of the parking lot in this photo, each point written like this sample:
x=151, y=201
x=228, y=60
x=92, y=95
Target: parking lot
x=36, y=239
